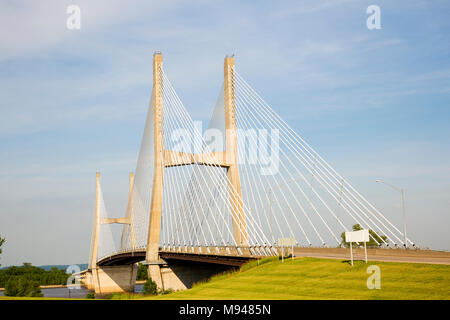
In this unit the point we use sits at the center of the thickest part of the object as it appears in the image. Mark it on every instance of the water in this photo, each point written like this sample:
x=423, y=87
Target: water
x=72, y=293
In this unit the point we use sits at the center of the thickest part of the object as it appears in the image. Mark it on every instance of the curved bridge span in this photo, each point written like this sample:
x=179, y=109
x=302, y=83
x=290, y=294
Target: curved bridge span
x=216, y=255
x=178, y=268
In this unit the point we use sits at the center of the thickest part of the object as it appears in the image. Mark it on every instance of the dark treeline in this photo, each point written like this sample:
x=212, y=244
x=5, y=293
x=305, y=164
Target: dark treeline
x=33, y=274
x=22, y=286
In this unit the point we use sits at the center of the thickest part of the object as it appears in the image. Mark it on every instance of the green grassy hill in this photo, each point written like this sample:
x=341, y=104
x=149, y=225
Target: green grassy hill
x=312, y=278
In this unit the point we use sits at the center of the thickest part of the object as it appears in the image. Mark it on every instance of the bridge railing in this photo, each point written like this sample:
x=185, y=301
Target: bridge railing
x=224, y=250
x=257, y=251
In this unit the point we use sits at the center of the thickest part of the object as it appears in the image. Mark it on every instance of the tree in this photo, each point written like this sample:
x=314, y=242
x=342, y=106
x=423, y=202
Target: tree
x=11, y=288
x=2, y=241
x=142, y=273
x=32, y=273
x=22, y=287
x=150, y=287
x=34, y=289
x=371, y=242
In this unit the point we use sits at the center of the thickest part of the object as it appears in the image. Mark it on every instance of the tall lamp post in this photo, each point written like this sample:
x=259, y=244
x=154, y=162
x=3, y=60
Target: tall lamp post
x=403, y=207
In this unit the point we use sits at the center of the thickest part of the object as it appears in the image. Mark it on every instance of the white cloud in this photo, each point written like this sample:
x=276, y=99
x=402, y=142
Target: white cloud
x=30, y=27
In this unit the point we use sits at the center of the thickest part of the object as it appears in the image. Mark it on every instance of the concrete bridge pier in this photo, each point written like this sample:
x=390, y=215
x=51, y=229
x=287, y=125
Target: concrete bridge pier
x=110, y=279
x=154, y=273
x=181, y=275
x=164, y=277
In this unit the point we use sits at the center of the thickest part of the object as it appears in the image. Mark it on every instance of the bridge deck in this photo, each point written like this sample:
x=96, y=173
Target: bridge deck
x=232, y=256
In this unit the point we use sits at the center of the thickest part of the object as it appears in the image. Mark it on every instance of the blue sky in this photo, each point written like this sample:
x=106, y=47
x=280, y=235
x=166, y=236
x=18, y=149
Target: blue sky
x=373, y=103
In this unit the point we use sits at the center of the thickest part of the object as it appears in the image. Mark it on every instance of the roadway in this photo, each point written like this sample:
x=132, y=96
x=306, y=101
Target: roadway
x=387, y=255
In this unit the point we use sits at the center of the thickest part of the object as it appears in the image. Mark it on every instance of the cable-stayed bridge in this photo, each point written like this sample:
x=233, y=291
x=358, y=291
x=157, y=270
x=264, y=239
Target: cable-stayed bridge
x=203, y=201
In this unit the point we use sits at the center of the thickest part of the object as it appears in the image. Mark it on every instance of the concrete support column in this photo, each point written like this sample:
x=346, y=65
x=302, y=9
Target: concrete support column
x=154, y=272
x=95, y=229
x=110, y=279
x=129, y=218
x=154, y=226
x=239, y=223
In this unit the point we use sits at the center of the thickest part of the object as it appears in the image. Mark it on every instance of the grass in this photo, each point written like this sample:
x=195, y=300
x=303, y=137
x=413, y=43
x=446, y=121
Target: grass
x=124, y=296
x=313, y=278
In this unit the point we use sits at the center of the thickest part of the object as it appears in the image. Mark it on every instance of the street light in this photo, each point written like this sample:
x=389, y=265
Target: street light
x=403, y=207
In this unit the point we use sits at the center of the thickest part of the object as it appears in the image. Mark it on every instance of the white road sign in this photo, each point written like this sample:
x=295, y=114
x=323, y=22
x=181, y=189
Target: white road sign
x=357, y=236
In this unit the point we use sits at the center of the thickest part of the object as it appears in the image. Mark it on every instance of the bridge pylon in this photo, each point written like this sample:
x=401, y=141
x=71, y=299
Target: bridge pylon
x=95, y=230
x=237, y=207
x=108, y=279
x=167, y=158
x=154, y=226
